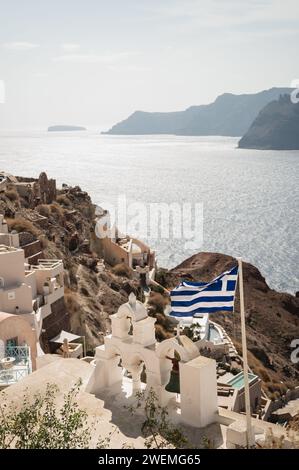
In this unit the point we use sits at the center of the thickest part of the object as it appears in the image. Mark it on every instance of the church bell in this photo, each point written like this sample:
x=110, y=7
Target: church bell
x=173, y=385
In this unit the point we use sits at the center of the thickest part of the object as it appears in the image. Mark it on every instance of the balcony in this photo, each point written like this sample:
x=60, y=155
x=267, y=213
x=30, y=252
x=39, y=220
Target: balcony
x=15, y=365
x=52, y=267
x=75, y=350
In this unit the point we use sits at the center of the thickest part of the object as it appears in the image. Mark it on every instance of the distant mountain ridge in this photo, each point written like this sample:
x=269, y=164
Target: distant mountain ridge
x=275, y=128
x=228, y=115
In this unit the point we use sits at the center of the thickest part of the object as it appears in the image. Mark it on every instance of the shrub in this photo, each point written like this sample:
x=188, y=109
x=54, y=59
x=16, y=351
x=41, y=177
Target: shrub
x=281, y=388
x=157, y=289
x=71, y=301
x=263, y=374
x=84, y=291
x=157, y=301
x=158, y=430
x=271, y=387
x=44, y=209
x=56, y=209
x=161, y=277
x=22, y=225
x=278, y=389
x=73, y=276
x=43, y=241
x=161, y=333
x=290, y=385
x=41, y=424
x=63, y=199
x=121, y=270
x=12, y=195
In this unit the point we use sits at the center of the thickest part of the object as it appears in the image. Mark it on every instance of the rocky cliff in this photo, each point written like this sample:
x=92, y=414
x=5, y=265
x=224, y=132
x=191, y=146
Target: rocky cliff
x=64, y=229
x=272, y=318
x=275, y=128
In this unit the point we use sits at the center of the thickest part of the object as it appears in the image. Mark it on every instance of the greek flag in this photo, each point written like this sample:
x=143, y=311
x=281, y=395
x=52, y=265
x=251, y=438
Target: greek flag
x=190, y=298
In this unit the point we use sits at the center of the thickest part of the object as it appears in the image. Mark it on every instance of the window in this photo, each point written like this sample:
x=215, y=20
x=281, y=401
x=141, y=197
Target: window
x=12, y=342
x=11, y=295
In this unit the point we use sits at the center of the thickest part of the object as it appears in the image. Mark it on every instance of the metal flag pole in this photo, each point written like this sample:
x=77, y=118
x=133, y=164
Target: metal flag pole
x=250, y=436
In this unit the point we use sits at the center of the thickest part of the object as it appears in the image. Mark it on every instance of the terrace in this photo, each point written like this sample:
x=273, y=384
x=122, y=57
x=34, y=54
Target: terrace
x=7, y=249
x=15, y=365
x=44, y=264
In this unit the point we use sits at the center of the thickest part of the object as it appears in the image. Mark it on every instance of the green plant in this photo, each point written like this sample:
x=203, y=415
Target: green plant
x=161, y=277
x=207, y=443
x=193, y=331
x=159, y=432
x=42, y=424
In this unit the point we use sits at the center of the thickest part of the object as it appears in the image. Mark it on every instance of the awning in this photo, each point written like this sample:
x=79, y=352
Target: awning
x=65, y=335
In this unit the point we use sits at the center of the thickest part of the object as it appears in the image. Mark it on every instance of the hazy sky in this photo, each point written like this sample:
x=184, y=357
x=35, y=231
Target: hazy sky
x=94, y=62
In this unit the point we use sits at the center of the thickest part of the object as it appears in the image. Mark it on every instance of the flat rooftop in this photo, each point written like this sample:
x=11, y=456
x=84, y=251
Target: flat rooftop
x=108, y=408
x=4, y=249
x=47, y=264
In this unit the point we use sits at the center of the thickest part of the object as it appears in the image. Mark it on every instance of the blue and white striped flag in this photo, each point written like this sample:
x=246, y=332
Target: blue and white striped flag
x=190, y=298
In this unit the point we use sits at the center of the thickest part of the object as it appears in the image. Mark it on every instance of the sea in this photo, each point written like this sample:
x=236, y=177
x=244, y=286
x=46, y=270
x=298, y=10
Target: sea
x=208, y=194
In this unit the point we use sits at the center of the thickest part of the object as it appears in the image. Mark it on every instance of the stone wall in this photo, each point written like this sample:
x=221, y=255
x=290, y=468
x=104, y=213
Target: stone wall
x=37, y=191
x=58, y=320
x=281, y=402
x=45, y=189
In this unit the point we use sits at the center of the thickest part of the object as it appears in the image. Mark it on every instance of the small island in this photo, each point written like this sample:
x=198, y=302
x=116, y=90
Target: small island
x=65, y=128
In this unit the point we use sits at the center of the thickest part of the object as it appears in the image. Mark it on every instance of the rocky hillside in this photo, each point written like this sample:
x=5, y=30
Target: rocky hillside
x=272, y=317
x=93, y=293
x=66, y=232
x=275, y=128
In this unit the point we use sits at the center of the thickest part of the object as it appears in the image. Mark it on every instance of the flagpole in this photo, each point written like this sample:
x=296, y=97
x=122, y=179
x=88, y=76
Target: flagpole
x=250, y=436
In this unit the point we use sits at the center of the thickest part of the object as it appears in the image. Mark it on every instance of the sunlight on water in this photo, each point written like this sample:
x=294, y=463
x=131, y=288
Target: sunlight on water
x=250, y=197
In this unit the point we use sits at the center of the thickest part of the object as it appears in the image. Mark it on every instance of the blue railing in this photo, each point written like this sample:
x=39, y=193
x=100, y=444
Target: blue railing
x=20, y=353
x=21, y=366
x=10, y=376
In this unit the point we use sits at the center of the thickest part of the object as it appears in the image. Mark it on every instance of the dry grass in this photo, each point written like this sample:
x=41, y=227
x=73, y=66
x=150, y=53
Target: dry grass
x=84, y=291
x=161, y=333
x=57, y=210
x=43, y=241
x=263, y=374
x=276, y=390
x=44, y=209
x=122, y=270
x=158, y=302
x=270, y=379
x=64, y=200
x=165, y=322
x=22, y=225
x=71, y=301
x=12, y=195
